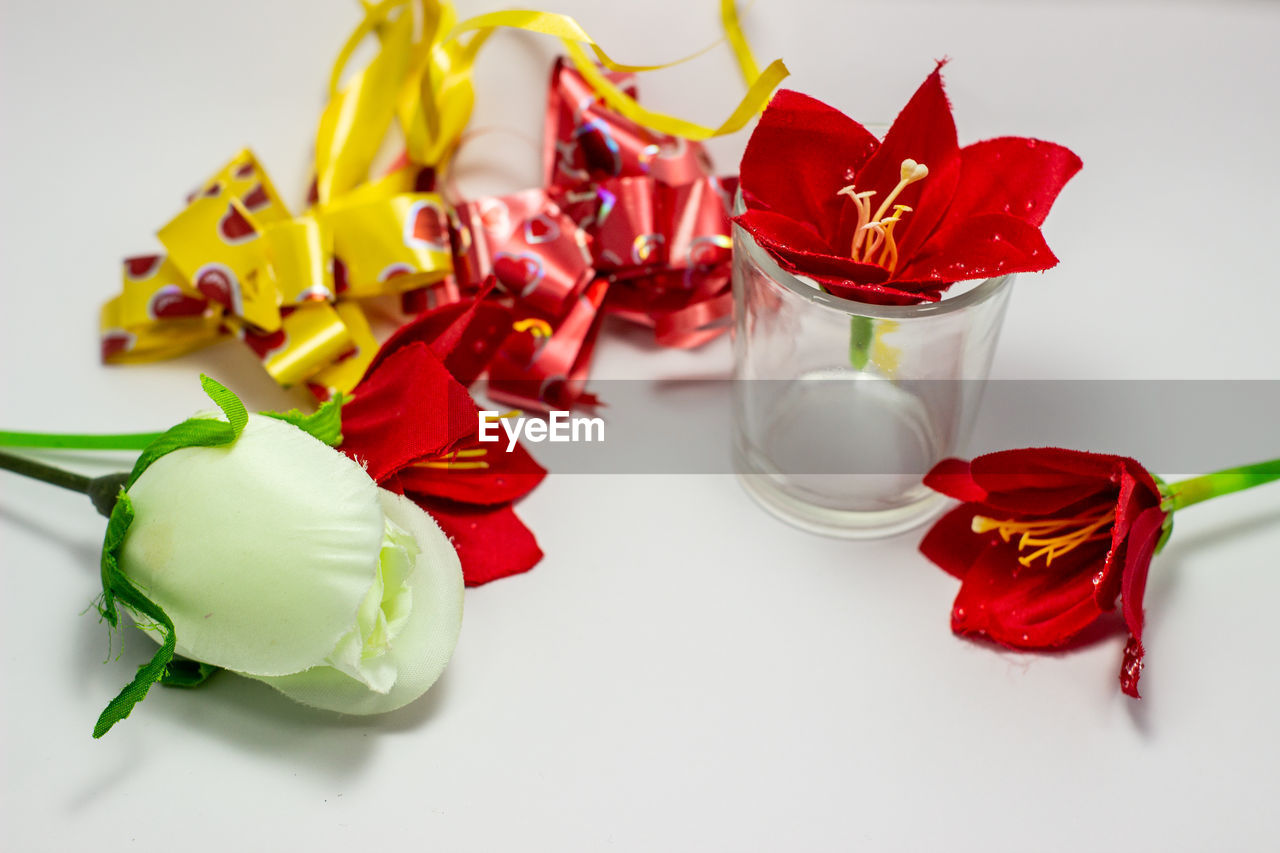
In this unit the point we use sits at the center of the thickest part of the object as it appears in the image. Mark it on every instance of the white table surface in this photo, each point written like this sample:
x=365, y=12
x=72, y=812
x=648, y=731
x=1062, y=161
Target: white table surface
x=681, y=672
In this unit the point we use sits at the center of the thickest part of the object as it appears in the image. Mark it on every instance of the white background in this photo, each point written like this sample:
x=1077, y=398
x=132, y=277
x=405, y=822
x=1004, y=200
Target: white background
x=681, y=672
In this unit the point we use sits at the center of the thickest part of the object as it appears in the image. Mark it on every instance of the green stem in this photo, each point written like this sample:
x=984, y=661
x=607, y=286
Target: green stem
x=862, y=332
x=47, y=473
x=1190, y=492
x=103, y=491
x=73, y=441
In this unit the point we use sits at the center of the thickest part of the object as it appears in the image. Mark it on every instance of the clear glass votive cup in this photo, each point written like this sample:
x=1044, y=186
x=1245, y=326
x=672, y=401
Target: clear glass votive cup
x=841, y=407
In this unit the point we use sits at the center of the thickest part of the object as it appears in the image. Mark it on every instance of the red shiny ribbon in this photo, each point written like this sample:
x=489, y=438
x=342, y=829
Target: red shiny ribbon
x=630, y=223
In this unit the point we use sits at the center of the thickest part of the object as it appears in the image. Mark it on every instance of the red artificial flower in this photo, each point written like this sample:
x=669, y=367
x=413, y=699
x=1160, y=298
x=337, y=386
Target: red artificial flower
x=1045, y=542
x=416, y=428
x=898, y=221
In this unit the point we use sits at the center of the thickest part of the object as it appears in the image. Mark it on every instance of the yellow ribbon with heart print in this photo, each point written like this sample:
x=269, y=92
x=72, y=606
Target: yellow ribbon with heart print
x=236, y=260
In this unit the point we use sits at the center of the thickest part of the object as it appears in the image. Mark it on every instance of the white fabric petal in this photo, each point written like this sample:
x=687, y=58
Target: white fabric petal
x=423, y=646
x=261, y=552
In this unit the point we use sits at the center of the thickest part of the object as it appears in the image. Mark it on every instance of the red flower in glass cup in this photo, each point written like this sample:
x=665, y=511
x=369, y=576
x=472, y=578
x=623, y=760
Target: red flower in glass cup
x=898, y=221
x=1045, y=542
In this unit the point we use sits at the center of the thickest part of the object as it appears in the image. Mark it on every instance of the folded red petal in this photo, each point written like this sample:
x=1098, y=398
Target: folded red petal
x=408, y=408
x=1012, y=175
x=1028, y=607
x=799, y=250
x=982, y=247
x=492, y=543
x=1041, y=481
x=799, y=156
x=781, y=233
x=870, y=293
x=1143, y=538
x=954, y=478
x=952, y=544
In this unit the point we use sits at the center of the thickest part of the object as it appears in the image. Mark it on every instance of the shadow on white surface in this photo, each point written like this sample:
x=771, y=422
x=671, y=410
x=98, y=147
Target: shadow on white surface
x=246, y=716
x=240, y=714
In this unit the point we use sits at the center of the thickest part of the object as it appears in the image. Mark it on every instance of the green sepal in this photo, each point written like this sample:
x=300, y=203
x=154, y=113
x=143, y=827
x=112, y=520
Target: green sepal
x=117, y=525
x=1166, y=505
x=325, y=423
x=186, y=673
x=117, y=588
x=197, y=432
x=861, y=335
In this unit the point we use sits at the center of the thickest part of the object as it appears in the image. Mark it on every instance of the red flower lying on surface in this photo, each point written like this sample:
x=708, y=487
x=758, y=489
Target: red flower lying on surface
x=1045, y=542
x=415, y=426
x=898, y=221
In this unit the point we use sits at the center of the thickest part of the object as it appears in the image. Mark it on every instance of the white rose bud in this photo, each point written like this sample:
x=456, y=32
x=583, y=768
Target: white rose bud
x=279, y=558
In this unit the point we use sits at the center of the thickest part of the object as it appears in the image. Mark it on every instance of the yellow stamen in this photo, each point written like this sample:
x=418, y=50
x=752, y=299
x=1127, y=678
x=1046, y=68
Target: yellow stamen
x=514, y=413
x=450, y=462
x=875, y=240
x=889, y=257
x=861, y=200
x=1050, y=537
x=453, y=466
x=874, y=233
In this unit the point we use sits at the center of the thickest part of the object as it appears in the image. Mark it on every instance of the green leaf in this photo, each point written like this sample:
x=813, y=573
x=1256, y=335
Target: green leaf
x=325, y=424
x=117, y=588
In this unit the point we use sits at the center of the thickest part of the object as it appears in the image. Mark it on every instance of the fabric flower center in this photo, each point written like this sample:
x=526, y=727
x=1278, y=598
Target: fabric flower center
x=363, y=652
x=1051, y=537
x=873, y=240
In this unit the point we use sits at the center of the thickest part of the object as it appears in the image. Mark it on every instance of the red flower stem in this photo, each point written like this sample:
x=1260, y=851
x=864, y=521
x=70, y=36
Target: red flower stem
x=72, y=441
x=1189, y=492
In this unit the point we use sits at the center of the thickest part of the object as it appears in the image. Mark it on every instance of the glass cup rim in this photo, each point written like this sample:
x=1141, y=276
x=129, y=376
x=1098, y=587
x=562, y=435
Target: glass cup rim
x=808, y=289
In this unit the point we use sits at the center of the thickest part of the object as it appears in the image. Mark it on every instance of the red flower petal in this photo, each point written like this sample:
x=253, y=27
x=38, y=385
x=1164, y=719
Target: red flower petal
x=980, y=247
x=783, y=234
x=409, y=408
x=800, y=155
x=1043, y=480
x=509, y=476
x=952, y=544
x=464, y=335
x=492, y=543
x=925, y=132
x=1028, y=607
x=797, y=250
x=1012, y=175
x=873, y=294
x=954, y=478
x=1142, y=545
